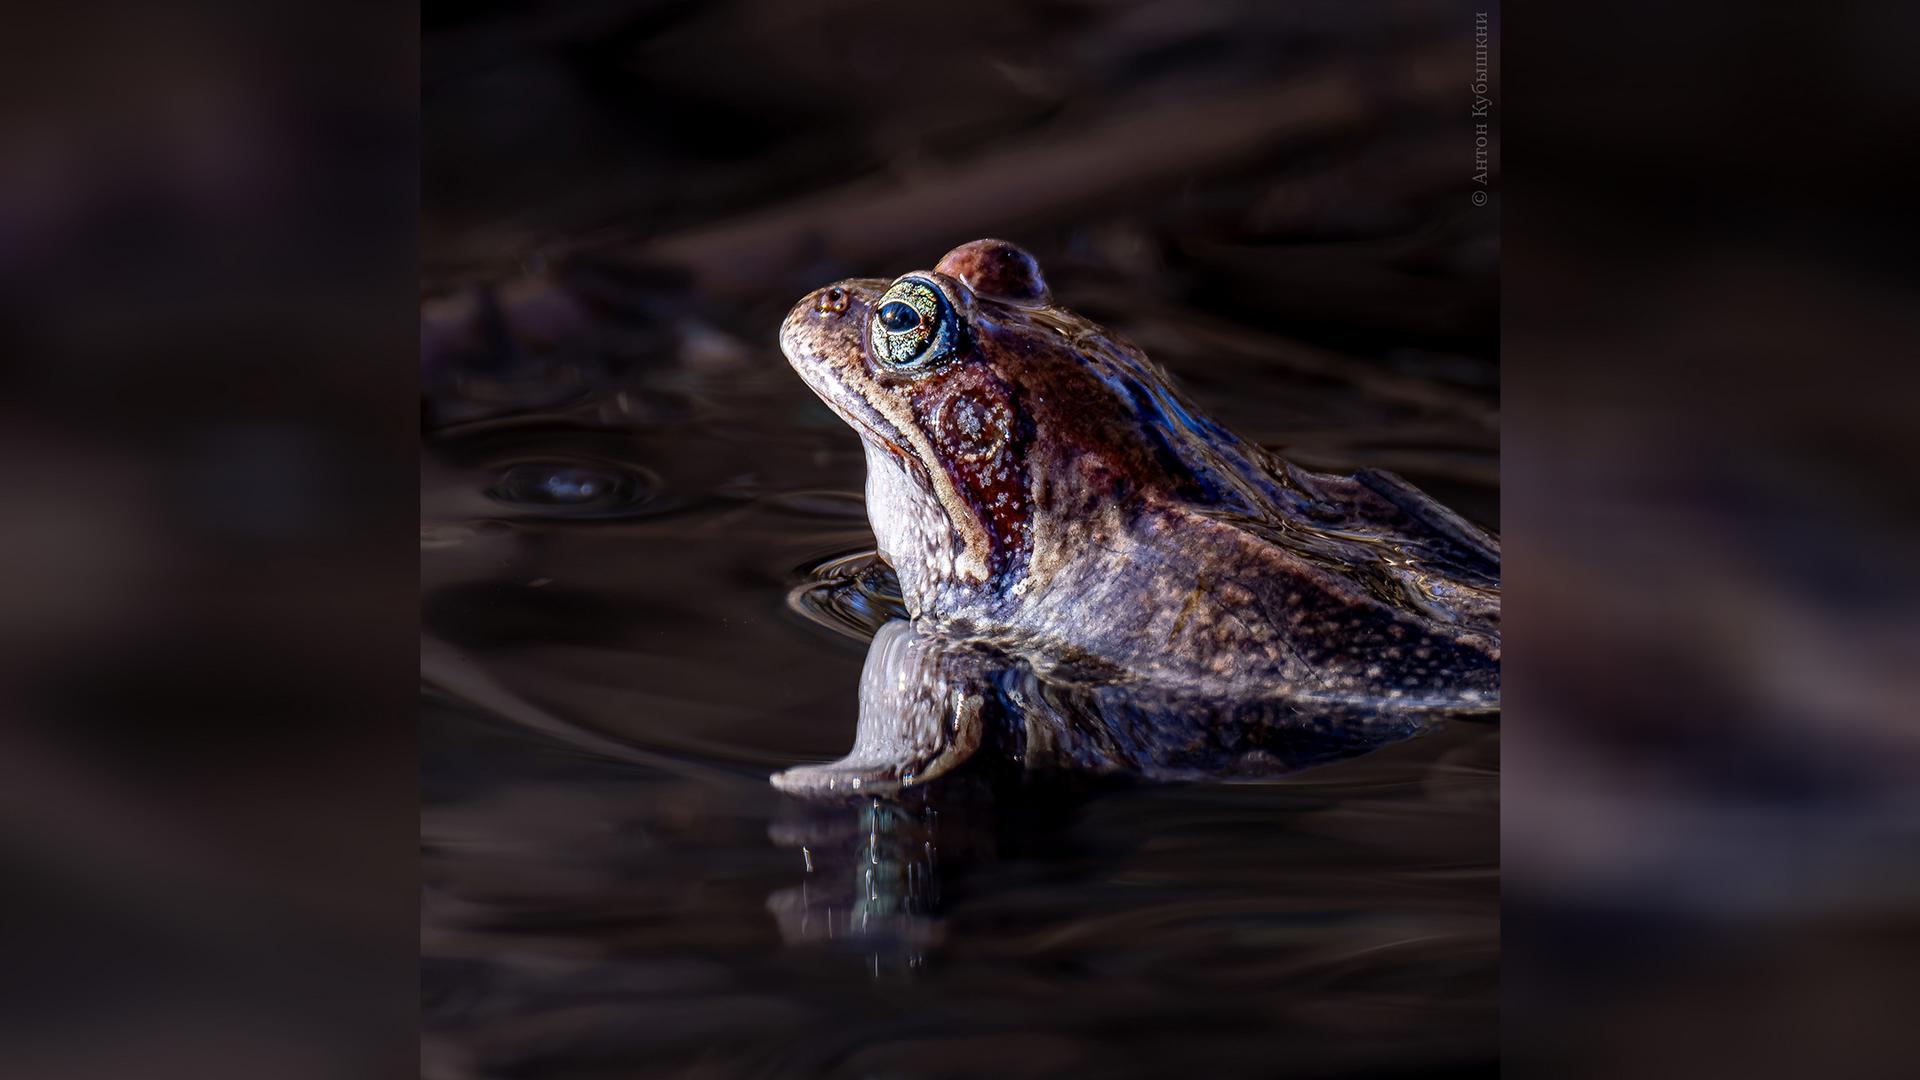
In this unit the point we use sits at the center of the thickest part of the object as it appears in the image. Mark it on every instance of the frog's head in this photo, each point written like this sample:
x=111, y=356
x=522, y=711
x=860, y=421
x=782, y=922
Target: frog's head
x=988, y=414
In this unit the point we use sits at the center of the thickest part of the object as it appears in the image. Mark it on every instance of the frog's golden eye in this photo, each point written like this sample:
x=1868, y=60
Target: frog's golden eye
x=914, y=327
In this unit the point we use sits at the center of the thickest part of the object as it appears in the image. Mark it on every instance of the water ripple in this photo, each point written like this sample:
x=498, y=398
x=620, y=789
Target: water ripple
x=577, y=488
x=853, y=594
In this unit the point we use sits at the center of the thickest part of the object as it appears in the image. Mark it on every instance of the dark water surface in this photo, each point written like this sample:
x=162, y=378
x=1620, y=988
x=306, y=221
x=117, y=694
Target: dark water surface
x=620, y=645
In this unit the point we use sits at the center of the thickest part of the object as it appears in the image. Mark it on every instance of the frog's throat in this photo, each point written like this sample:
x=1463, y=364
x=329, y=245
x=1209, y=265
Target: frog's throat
x=973, y=563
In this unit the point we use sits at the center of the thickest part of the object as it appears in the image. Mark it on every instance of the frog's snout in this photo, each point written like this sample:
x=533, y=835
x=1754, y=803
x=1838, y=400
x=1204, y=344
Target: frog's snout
x=822, y=328
x=819, y=311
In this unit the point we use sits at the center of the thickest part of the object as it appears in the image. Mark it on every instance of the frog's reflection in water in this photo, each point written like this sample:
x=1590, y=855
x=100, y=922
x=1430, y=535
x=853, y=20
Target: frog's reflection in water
x=964, y=755
x=876, y=870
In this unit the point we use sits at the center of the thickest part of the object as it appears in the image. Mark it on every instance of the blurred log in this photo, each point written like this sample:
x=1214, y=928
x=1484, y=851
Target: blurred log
x=1163, y=330
x=1046, y=177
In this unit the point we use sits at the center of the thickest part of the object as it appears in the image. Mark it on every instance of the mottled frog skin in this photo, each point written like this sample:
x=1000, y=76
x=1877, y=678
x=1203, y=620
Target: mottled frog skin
x=1038, y=483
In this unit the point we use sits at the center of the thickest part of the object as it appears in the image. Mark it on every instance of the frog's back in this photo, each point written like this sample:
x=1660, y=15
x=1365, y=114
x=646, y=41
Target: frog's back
x=1372, y=527
x=1187, y=593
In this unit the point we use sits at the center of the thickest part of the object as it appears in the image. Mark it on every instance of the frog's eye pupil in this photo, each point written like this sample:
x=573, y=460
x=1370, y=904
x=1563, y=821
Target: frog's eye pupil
x=899, y=317
x=914, y=329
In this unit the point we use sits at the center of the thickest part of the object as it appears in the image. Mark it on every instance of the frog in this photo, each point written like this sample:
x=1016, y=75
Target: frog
x=1038, y=484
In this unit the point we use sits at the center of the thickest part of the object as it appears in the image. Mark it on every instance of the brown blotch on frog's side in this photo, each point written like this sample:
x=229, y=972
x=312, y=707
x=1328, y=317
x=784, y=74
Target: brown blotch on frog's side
x=972, y=421
x=1042, y=484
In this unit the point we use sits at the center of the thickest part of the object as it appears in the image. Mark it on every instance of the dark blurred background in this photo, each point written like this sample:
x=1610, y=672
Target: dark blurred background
x=1709, y=809
x=209, y=414
x=213, y=395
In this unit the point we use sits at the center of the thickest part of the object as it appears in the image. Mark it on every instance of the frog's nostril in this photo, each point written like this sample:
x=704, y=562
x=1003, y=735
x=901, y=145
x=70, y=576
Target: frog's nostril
x=832, y=302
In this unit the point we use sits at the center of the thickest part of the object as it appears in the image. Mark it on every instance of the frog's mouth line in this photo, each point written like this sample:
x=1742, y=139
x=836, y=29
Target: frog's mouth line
x=866, y=422
x=877, y=431
x=816, y=371
x=853, y=403
x=869, y=427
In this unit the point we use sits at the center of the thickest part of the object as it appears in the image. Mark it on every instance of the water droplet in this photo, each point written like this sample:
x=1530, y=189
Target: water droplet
x=576, y=488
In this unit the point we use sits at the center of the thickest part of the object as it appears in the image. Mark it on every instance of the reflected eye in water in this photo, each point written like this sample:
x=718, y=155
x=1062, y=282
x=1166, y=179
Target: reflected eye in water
x=576, y=488
x=914, y=327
